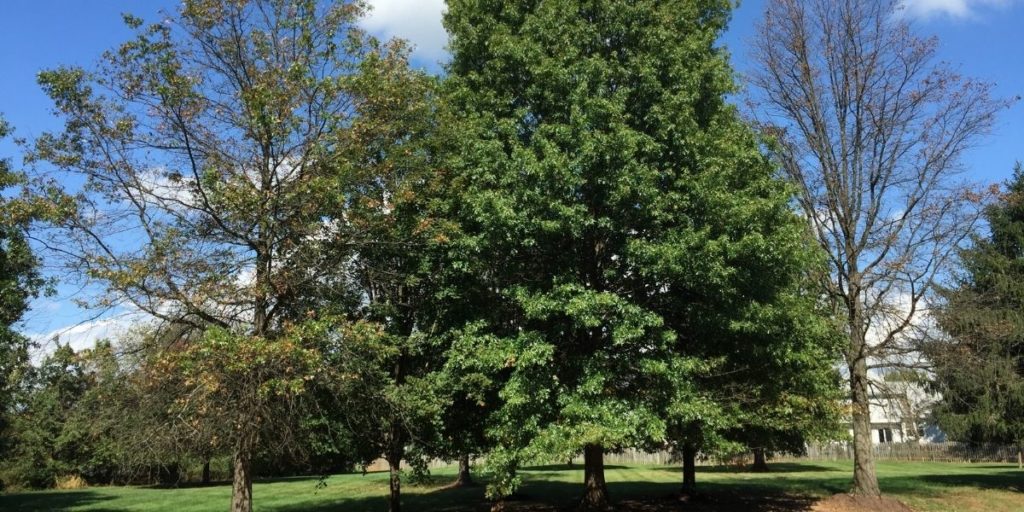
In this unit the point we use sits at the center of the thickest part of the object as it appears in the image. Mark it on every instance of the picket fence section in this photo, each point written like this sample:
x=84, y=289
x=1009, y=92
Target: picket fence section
x=930, y=452
x=927, y=452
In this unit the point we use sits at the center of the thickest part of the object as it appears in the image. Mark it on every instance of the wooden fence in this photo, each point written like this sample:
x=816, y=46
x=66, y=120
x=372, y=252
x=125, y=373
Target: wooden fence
x=931, y=452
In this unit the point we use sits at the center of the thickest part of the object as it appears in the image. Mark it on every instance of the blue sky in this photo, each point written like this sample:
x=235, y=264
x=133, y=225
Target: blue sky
x=980, y=37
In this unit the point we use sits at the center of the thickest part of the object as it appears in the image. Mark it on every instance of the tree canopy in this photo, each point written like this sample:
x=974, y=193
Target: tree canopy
x=228, y=158
x=20, y=281
x=979, y=363
x=619, y=210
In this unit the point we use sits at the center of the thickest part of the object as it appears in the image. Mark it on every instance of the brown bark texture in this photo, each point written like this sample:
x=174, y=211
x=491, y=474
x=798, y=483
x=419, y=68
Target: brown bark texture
x=760, y=461
x=241, y=483
x=465, y=478
x=595, y=493
x=689, y=470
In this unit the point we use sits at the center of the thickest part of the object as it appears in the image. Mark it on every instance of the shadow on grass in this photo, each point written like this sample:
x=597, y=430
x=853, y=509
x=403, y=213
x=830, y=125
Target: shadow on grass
x=189, y=485
x=796, y=467
x=227, y=483
x=535, y=497
x=446, y=499
x=936, y=484
x=538, y=495
x=563, y=497
x=53, y=500
x=565, y=467
x=774, y=467
x=786, y=488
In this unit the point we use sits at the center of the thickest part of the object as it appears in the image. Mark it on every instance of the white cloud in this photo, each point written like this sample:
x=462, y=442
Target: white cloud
x=959, y=9
x=418, y=21
x=159, y=186
x=82, y=335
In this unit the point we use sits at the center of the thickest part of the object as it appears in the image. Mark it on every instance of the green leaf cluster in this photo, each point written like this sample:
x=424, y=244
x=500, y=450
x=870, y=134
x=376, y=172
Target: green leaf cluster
x=624, y=221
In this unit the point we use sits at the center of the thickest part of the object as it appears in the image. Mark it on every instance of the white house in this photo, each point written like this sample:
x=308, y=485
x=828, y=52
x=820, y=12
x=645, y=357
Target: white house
x=901, y=412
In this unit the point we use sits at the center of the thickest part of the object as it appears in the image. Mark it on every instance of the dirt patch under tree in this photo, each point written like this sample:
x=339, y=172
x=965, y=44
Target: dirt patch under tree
x=851, y=503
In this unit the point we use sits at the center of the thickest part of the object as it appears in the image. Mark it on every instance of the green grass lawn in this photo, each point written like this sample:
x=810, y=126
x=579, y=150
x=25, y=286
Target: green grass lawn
x=923, y=486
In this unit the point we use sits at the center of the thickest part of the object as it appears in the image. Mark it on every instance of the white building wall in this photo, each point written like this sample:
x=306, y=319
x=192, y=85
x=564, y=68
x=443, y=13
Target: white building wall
x=888, y=408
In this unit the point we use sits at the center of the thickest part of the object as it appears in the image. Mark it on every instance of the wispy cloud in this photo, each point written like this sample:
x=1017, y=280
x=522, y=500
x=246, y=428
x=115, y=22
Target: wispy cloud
x=80, y=336
x=418, y=21
x=957, y=9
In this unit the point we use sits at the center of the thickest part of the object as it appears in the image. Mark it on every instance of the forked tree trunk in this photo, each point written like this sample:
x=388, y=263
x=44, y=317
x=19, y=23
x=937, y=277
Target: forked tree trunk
x=689, y=470
x=241, y=482
x=595, y=493
x=465, y=479
x=395, y=480
x=760, y=462
x=865, y=480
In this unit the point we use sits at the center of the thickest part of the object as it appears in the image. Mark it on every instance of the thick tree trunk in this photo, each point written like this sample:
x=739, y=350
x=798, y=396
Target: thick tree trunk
x=595, y=494
x=206, y=472
x=241, y=482
x=465, y=479
x=395, y=480
x=760, y=462
x=689, y=470
x=865, y=480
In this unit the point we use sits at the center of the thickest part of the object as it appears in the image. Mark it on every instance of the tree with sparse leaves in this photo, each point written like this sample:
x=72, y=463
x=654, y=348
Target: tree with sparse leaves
x=215, y=149
x=870, y=129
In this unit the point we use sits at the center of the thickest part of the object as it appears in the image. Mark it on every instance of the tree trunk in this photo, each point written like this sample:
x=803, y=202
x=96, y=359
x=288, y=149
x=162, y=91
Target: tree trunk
x=206, y=472
x=465, y=479
x=241, y=482
x=395, y=480
x=760, y=462
x=689, y=470
x=865, y=480
x=1020, y=458
x=595, y=494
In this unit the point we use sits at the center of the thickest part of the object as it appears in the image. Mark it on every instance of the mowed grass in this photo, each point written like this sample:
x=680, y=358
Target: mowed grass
x=923, y=486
